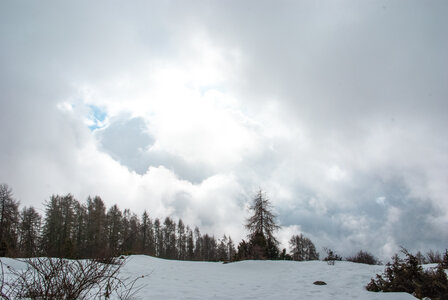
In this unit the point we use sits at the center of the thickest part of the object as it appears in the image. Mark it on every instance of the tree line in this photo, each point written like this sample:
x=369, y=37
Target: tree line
x=72, y=229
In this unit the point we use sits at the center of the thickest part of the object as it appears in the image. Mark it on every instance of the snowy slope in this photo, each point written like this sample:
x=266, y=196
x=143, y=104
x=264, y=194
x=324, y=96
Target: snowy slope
x=253, y=280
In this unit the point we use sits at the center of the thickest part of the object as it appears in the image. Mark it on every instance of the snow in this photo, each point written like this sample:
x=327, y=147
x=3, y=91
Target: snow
x=169, y=279
x=253, y=280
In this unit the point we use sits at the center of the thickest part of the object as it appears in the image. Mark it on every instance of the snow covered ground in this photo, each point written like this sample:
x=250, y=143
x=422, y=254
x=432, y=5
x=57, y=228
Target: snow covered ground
x=250, y=279
x=253, y=280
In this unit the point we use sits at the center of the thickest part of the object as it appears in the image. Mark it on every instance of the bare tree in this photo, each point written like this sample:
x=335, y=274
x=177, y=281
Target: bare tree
x=263, y=220
x=261, y=226
x=302, y=248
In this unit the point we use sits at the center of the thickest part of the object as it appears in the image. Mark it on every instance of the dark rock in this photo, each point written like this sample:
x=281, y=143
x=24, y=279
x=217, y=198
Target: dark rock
x=319, y=282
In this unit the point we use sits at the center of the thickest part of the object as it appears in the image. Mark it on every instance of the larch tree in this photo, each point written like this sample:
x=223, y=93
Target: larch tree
x=147, y=235
x=114, y=230
x=181, y=240
x=302, y=248
x=9, y=218
x=96, y=221
x=29, y=231
x=190, y=244
x=261, y=226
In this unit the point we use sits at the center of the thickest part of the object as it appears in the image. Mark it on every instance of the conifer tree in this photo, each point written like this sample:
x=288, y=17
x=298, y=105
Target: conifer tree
x=29, y=232
x=79, y=230
x=181, y=240
x=231, y=249
x=96, y=225
x=190, y=244
x=198, y=244
x=159, y=238
x=169, y=238
x=57, y=234
x=302, y=248
x=114, y=229
x=147, y=235
x=223, y=254
x=261, y=226
x=9, y=218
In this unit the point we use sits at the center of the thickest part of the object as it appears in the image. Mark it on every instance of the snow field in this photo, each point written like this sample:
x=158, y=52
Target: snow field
x=169, y=279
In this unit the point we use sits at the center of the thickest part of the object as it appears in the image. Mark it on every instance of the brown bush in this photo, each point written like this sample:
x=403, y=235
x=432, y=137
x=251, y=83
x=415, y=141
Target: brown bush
x=59, y=278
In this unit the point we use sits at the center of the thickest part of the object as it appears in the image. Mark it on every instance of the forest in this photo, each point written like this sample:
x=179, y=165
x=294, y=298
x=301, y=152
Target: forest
x=72, y=229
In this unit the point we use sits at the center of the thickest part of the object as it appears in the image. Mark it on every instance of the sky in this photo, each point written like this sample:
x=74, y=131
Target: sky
x=338, y=110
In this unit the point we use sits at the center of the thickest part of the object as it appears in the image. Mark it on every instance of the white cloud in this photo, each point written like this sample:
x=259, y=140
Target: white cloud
x=320, y=105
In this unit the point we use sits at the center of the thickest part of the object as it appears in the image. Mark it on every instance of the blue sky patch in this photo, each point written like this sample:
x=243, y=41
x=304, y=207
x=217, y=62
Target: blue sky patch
x=97, y=116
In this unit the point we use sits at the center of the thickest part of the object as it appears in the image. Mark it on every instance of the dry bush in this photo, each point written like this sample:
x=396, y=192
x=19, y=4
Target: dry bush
x=331, y=256
x=363, y=257
x=59, y=278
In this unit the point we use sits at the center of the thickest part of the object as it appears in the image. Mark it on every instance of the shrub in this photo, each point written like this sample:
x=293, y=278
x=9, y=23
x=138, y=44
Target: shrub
x=406, y=275
x=331, y=256
x=363, y=257
x=444, y=262
x=59, y=278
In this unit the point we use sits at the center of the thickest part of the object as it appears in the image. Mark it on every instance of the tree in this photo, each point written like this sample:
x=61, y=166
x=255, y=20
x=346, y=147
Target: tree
x=159, y=238
x=231, y=249
x=169, y=238
x=302, y=248
x=198, y=244
x=181, y=240
x=243, y=250
x=147, y=235
x=29, y=232
x=190, y=244
x=130, y=226
x=223, y=254
x=96, y=225
x=114, y=229
x=9, y=219
x=57, y=234
x=261, y=226
x=79, y=230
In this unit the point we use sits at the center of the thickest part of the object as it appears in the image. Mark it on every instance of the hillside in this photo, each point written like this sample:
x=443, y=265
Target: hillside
x=253, y=280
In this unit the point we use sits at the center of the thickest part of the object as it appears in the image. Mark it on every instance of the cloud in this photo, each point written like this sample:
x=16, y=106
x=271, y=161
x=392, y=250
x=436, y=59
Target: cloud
x=337, y=111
